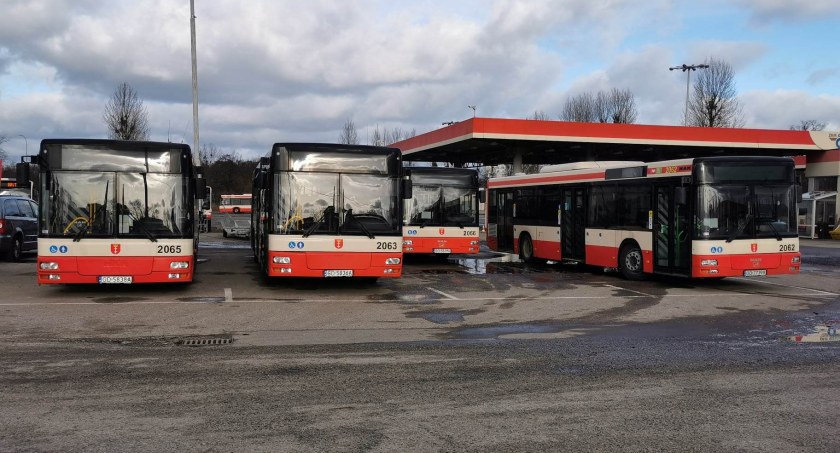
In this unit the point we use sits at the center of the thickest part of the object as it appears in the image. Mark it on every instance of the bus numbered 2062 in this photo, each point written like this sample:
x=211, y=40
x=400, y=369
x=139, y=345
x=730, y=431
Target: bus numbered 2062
x=328, y=210
x=701, y=218
x=441, y=217
x=116, y=212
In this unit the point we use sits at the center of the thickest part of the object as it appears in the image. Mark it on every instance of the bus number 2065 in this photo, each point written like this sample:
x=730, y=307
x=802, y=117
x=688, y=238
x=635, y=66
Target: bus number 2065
x=169, y=249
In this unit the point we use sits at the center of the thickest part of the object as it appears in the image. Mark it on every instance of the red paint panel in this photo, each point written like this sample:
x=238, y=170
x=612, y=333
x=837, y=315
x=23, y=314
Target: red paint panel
x=602, y=256
x=307, y=264
x=87, y=270
x=459, y=244
x=735, y=265
x=825, y=157
x=549, y=250
x=598, y=175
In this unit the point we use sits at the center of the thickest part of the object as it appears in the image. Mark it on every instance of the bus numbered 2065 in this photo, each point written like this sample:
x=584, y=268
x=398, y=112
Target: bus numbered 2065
x=701, y=218
x=116, y=212
x=329, y=210
x=441, y=217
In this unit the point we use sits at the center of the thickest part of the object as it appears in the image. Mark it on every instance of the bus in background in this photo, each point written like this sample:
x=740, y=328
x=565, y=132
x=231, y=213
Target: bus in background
x=235, y=204
x=116, y=212
x=703, y=217
x=328, y=210
x=441, y=217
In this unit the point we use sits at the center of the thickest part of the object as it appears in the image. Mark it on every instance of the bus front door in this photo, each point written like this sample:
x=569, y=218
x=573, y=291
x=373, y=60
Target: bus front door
x=504, y=216
x=573, y=225
x=671, y=247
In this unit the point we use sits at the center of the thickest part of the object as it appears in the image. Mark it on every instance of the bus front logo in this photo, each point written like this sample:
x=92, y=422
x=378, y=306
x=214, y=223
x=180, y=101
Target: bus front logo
x=754, y=247
x=442, y=231
x=339, y=243
x=115, y=249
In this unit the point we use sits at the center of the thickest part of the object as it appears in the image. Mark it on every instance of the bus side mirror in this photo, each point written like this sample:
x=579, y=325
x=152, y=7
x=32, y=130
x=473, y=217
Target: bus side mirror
x=22, y=170
x=798, y=194
x=200, y=188
x=406, y=188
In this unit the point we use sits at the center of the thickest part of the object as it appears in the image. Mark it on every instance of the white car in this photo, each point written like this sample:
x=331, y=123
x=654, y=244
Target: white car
x=240, y=228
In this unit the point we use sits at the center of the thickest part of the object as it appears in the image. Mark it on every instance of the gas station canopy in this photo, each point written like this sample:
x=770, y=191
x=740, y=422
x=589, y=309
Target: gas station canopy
x=493, y=141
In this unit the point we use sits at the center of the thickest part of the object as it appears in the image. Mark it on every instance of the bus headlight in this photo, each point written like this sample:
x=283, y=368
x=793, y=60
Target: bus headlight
x=49, y=266
x=795, y=259
x=281, y=260
x=708, y=263
x=408, y=242
x=392, y=261
x=473, y=242
x=179, y=265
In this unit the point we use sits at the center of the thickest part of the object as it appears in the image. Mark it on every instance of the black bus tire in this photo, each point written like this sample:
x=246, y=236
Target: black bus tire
x=631, y=262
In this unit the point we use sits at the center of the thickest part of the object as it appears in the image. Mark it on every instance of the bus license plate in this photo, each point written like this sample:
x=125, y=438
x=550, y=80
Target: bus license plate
x=755, y=273
x=442, y=250
x=338, y=273
x=119, y=279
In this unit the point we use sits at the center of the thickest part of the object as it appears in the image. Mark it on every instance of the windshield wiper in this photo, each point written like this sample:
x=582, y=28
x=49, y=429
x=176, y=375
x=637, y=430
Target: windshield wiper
x=145, y=231
x=361, y=225
x=772, y=227
x=740, y=229
x=328, y=211
x=78, y=237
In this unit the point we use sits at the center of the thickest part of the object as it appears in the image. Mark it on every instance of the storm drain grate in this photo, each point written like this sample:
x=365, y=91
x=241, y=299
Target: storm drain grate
x=206, y=341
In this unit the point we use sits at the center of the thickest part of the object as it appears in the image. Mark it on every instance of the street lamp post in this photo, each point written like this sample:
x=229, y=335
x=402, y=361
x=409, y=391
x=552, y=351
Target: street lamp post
x=26, y=142
x=473, y=109
x=687, y=68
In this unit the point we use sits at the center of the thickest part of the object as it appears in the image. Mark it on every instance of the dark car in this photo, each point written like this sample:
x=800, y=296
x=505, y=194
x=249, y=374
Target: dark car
x=18, y=226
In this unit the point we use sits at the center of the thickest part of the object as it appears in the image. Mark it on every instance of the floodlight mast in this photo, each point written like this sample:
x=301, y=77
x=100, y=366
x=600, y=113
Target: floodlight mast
x=686, y=68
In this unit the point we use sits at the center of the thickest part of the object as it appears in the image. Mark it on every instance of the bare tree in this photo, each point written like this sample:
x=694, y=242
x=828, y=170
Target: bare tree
x=3, y=139
x=209, y=154
x=580, y=108
x=808, y=125
x=617, y=106
x=538, y=115
x=714, y=99
x=622, y=107
x=125, y=115
x=348, y=135
x=396, y=134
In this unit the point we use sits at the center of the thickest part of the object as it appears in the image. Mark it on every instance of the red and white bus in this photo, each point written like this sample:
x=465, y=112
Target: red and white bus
x=441, y=217
x=701, y=217
x=235, y=204
x=328, y=210
x=116, y=212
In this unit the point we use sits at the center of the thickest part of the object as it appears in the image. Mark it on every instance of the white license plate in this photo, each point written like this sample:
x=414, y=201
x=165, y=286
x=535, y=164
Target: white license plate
x=115, y=279
x=442, y=250
x=338, y=273
x=755, y=273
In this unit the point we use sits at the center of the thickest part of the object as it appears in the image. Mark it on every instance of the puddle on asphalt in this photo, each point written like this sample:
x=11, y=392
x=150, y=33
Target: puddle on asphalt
x=495, y=332
x=823, y=334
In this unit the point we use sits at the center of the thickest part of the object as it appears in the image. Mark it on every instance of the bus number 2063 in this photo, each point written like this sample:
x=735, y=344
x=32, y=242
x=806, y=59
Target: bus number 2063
x=386, y=246
x=169, y=249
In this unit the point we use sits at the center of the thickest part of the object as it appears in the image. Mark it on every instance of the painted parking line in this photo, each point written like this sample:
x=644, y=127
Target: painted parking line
x=448, y=296
x=801, y=288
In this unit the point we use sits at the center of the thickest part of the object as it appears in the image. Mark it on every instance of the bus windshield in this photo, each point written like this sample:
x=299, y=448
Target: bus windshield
x=336, y=203
x=442, y=206
x=125, y=204
x=737, y=211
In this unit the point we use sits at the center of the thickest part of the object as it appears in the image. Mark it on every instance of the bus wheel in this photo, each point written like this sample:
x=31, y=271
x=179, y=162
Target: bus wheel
x=526, y=249
x=630, y=262
x=236, y=210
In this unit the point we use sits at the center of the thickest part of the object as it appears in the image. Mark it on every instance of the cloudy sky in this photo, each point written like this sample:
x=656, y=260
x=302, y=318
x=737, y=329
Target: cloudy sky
x=273, y=70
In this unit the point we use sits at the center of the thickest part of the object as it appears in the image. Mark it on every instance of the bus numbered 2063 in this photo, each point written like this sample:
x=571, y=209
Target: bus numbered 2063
x=329, y=210
x=116, y=212
x=701, y=218
x=441, y=217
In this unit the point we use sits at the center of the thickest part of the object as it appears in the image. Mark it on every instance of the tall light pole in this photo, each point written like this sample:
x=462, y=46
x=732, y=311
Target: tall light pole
x=26, y=142
x=687, y=68
x=194, y=80
x=473, y=109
